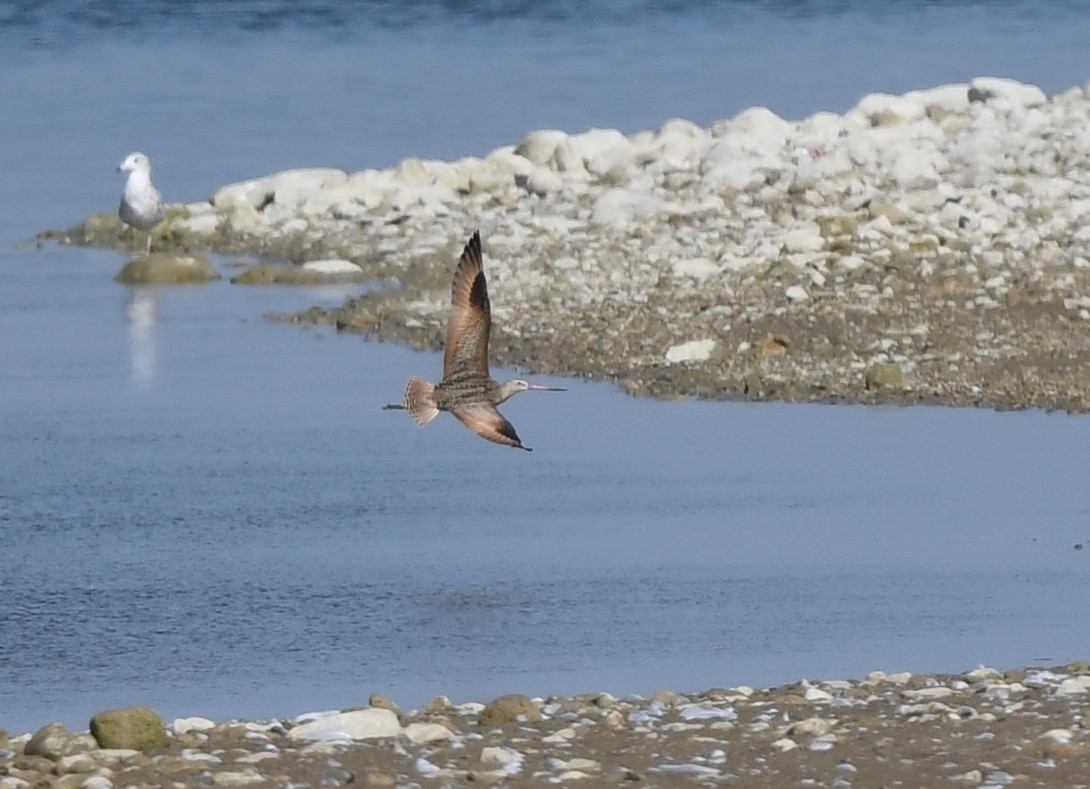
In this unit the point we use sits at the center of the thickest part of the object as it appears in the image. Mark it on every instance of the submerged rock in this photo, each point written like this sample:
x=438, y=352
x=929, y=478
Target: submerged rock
x=316, y=272
x=164, y=268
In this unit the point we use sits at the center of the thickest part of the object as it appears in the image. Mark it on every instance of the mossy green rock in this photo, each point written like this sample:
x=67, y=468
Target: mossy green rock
x=162, y=268
x=507, y=709
x=885, y=376
x=139, y=728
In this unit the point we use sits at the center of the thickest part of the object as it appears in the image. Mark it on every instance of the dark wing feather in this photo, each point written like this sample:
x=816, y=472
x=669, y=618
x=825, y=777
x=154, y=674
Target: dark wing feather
x=484, y=420
x=470, y=315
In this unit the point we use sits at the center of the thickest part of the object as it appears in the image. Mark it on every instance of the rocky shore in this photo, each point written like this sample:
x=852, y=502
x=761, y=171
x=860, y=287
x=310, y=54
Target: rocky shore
x=983, y=728
x=931, y=247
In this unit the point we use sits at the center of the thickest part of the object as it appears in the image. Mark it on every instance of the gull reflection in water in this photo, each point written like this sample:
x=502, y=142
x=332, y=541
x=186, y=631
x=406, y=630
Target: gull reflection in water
x=142, y=314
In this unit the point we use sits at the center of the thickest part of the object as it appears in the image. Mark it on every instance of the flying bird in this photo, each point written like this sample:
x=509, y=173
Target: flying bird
x=141, y=204
x=467, y=389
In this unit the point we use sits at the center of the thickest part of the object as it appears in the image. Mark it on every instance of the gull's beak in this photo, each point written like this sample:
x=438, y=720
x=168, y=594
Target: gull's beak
x=540, y=388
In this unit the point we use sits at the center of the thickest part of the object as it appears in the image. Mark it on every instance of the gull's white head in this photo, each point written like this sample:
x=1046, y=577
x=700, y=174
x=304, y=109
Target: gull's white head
x=135, y=162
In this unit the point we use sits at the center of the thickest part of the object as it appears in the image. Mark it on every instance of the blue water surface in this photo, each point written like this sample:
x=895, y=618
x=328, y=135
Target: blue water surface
x=210, y=513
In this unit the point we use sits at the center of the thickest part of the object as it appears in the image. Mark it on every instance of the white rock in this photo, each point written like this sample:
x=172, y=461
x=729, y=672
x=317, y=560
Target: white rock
x=412, y=172
x=332, y=266
x=237, y=777
x=1074, y=686
x=697, y=268
x=542, y=182
x=193, y=755
x=584, y=765
x=469, y=708
x=945, y=99
x=810, y=727
x=1006, y=93
x=785, y=744
x=685, y=769
x=292, y=188
x=572, y=775
x=370, y=188
x=183, y=725
x=201, y=225
x=113, y=756
x=97, y=782
x=796, y=294
x=420, y=733
x=76, y=763
x=939, y=692
x=692, y=351
x=605, y=152
x=704, y=711
x=497, y=172
x=508, y=758
x=804, y=237
x=884, y=109
x=539, y=146
x=620, y=208
x=1061, y=736
x=818, y=695
x=364, y=724
x=762, y=126
x=972, y=776
x=561, y=735
x=424, y=767
x=678, y=145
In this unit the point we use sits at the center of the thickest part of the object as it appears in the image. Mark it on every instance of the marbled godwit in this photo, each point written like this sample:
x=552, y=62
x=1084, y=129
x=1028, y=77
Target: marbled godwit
x=141, y=204
x=467, y=389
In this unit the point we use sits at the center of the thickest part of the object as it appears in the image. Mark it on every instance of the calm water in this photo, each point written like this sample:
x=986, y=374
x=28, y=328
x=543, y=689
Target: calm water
x=210, y=513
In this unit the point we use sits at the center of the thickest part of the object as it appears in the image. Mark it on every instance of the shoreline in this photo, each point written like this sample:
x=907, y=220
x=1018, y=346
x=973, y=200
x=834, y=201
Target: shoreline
x=983, y=727
x=929, y=248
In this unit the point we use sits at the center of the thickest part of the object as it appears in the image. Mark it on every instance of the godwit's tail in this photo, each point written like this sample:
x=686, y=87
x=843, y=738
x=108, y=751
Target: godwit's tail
x=420, y=400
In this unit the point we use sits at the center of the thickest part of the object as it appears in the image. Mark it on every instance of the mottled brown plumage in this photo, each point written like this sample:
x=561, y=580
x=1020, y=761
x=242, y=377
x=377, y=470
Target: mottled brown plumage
x=467, y=389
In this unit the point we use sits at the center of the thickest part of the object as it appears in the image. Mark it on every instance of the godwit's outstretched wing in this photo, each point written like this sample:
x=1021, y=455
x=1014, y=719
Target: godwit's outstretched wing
x=484, y=420
x=470, y=315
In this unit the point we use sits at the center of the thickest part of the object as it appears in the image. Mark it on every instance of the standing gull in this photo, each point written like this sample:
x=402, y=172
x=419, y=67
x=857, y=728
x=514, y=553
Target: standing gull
x=467, y=389
x=141, y=204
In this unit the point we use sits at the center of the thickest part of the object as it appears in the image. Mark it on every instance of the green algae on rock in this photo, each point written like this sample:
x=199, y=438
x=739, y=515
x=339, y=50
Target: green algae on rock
x=163, y=268
x=138, y=728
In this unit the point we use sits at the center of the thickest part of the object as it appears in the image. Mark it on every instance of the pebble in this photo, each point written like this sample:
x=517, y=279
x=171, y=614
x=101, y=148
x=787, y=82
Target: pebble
x=768, y=737
x=356, y=725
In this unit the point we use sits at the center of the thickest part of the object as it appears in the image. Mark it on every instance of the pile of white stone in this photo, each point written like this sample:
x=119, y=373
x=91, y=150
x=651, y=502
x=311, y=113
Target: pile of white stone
x=995, y=158
x=691, y=245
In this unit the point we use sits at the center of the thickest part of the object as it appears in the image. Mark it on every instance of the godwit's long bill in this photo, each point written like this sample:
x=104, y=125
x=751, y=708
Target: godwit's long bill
x=467, y=389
